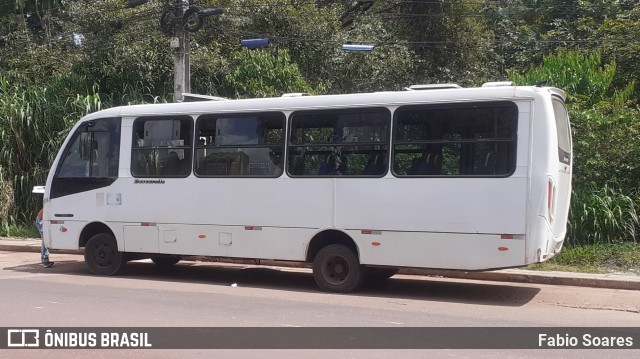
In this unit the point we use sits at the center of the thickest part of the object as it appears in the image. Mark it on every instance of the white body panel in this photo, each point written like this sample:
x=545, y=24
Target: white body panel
x=452, y=223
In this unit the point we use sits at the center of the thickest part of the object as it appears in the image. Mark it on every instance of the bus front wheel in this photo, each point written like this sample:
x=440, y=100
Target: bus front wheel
x=337, y=269
x=102, y=256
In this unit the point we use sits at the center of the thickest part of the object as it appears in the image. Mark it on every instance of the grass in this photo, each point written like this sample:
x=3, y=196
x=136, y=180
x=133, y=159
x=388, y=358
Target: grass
x=595, y=258
x=19, y=231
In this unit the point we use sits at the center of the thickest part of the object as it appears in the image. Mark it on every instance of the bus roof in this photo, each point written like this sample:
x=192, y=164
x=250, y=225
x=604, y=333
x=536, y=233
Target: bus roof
x=293, y=103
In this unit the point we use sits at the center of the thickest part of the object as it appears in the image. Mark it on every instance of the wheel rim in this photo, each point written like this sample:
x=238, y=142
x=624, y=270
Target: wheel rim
x=104, y=255
x=335, y=269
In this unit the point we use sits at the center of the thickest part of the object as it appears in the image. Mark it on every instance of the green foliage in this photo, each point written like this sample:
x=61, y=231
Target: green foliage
x=22, y=231
x=605, y=152
x=125, y=50
x=6, y=198
x=528, y=30
x=583, y=77
x=445, y=41
x=603, y=215
x=615, y=35
x=35, y=121
x=595, y=258
x=265, y=74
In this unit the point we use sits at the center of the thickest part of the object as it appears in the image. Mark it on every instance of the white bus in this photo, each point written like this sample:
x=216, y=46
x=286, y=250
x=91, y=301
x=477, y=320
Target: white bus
x=356, y=185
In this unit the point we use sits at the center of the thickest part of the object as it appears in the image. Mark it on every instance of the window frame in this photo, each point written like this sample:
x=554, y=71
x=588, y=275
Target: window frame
x=328, y=111
x=207, y=116
x=443, y=142
x=188, y=149
x=64, y=186
x=564, y=124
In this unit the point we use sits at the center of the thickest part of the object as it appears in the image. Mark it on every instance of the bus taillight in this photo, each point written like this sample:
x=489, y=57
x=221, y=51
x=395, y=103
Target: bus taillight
x=551, y=193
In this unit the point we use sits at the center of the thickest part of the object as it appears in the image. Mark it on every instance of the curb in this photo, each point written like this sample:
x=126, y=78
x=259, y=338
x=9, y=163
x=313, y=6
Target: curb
x=610, y=281
x=28, y=247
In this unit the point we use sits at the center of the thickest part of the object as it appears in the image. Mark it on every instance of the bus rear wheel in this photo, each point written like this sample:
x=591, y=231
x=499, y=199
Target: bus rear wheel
x=336, y=269
x=102, y=256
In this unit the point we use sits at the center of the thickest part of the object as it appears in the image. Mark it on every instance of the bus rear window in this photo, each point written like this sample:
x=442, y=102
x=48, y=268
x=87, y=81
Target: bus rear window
x=563, y=130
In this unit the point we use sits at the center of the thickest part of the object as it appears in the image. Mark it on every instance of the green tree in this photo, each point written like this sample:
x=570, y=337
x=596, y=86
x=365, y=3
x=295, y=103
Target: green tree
x=601, y=120
x=527, y=30
x=35, y=121
x=265, y=74
x=584, y=77
x=605, y=153
x=618, y=36
x=123, y=50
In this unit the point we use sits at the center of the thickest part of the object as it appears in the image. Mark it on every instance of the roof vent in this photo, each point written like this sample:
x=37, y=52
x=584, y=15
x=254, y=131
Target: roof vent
x=192, y=97
x=296, y=94
x=499, y=84
x=432, y=87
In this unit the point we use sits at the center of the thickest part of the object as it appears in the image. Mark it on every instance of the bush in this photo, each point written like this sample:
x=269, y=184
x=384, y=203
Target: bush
x=603, y=215
x=606, y=151
x=36, y=119
x=6, y=199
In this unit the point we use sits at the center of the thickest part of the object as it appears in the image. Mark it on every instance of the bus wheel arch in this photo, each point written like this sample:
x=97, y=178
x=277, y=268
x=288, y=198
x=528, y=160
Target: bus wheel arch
x=336, y=263
x=101, y=253
x=91, y=230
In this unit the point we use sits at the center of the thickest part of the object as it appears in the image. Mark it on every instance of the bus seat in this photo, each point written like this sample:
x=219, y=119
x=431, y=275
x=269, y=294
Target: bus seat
x=297, y=165
x=171, y=164
x=333, y=165
x=375, y=165
x=435, y=166
x=381, y=164
x=370, y=168
x=420, y=165
x=239, y=162
x=488, y=166
x=327, y=165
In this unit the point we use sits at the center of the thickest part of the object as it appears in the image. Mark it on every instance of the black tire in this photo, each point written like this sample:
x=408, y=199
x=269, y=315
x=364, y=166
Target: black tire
x=192, y=21
x=374, y=275
x=166, y=261
x=102, y=256
x=336, y=269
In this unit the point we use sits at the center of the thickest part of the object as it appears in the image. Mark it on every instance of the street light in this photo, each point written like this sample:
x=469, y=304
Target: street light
x=134, y=3
x=211, y=12
x=254, y=43
x=357, y=48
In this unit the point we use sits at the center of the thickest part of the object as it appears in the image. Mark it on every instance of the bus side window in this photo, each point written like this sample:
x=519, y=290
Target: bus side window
x=162, y=146
x=346, y=142
x=240, y=145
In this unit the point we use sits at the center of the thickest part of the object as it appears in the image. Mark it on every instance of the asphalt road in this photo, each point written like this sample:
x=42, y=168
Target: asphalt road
x=196, y=294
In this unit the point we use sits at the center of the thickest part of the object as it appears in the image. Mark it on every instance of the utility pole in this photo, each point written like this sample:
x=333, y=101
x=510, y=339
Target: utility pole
x=181, y=66
x=178, y=21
